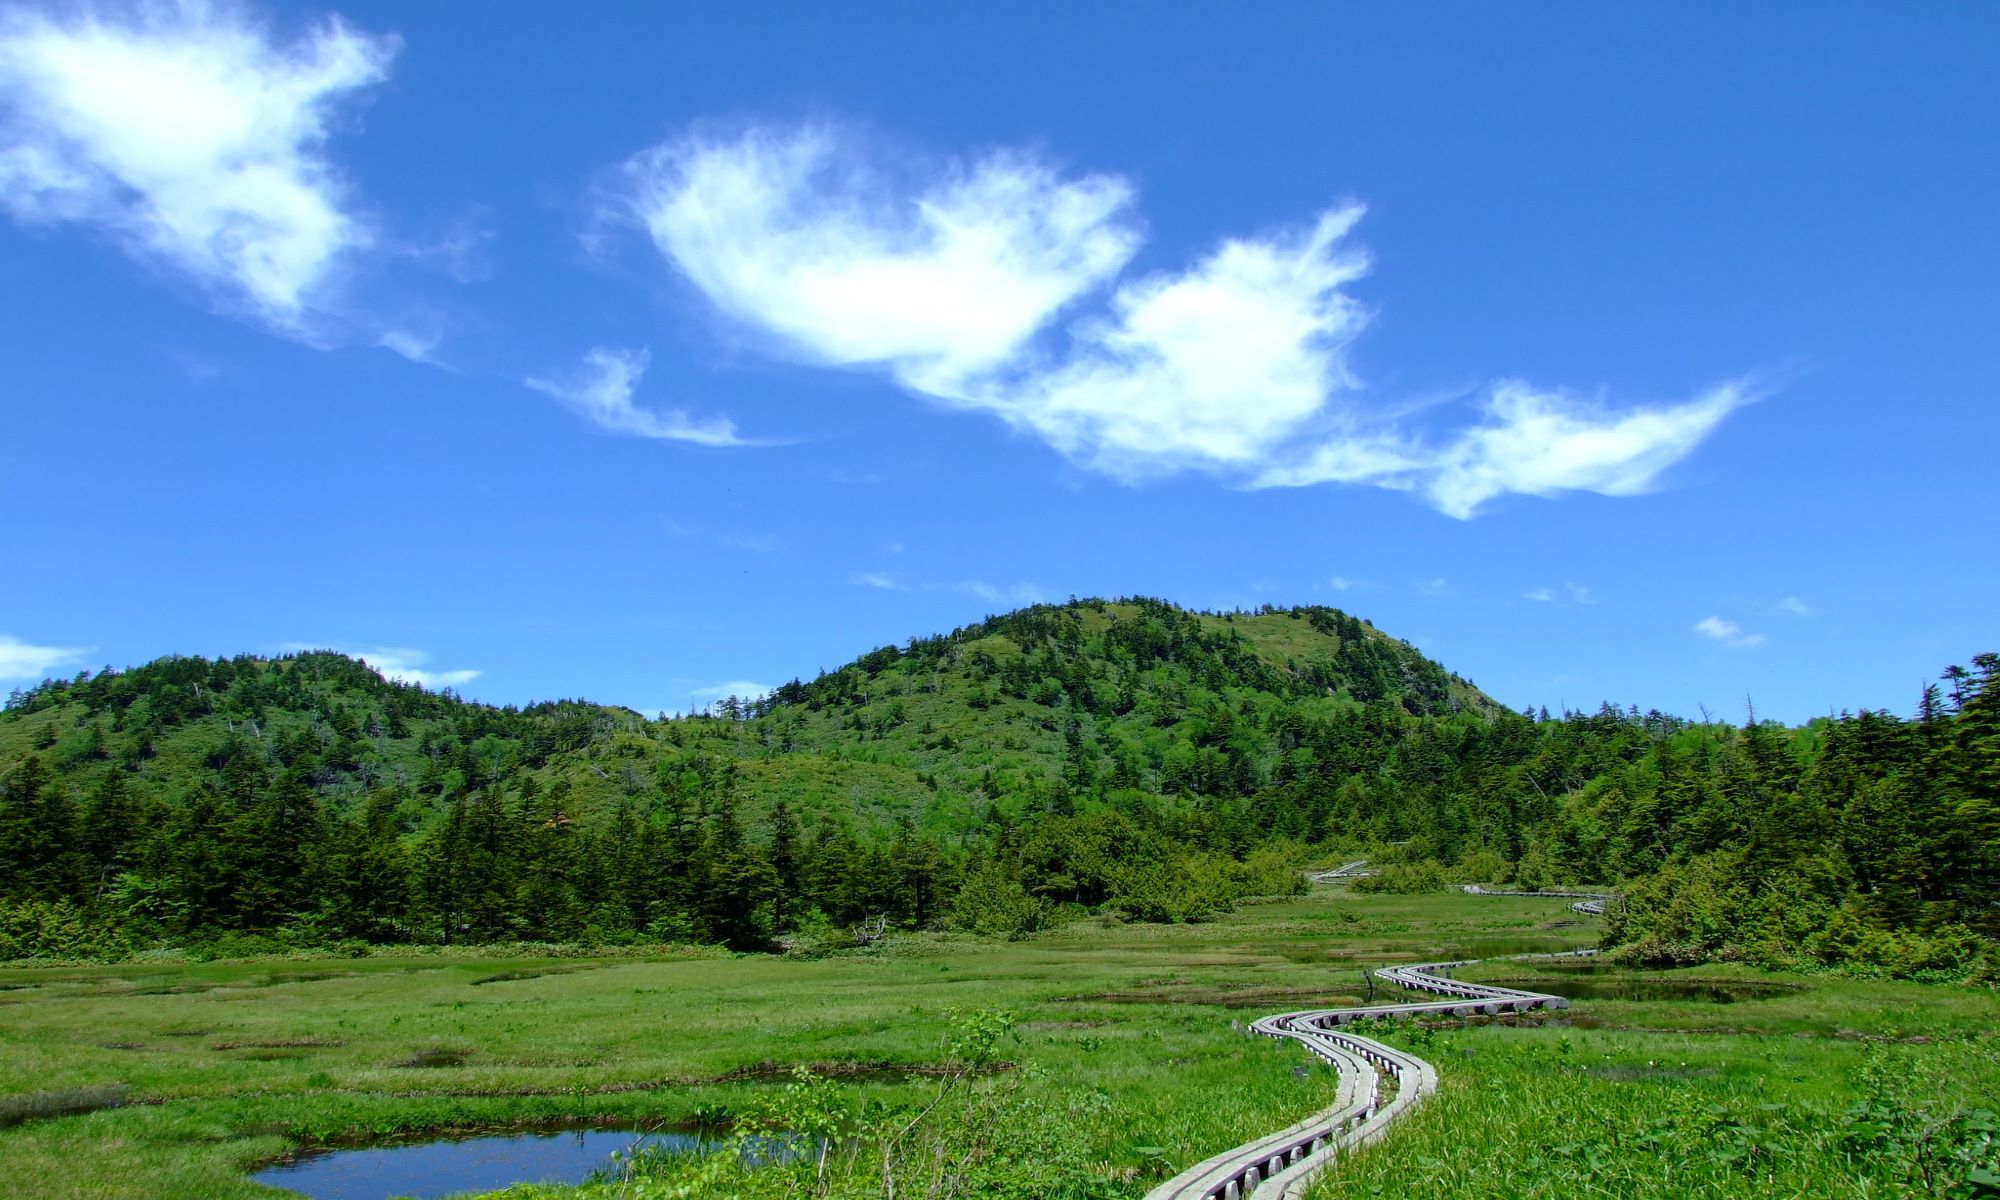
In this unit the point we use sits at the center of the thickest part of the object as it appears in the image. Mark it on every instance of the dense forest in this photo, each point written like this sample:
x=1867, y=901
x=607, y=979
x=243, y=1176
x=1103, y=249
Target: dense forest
x=1123, y=757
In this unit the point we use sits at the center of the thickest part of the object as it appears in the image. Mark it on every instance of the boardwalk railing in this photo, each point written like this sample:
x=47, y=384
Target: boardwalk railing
x=1349, y=871
x=1590, y=904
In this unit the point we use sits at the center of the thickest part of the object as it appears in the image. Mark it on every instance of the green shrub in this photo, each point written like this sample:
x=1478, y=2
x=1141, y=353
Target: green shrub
x=58, y=929
x=992, y=902
x=1949, y=952
x=1687, y=913
x=1483, y=866
x=1276, y=868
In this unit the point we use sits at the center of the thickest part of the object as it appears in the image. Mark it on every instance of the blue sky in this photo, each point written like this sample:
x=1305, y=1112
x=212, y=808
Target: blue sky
x=1641, y=354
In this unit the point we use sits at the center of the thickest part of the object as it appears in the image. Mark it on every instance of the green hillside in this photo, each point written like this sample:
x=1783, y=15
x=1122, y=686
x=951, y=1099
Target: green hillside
x=1126, y=756
x=1008, y=713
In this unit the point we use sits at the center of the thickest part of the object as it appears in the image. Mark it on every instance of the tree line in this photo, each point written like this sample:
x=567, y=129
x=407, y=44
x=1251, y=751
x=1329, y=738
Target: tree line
x=1119, y=756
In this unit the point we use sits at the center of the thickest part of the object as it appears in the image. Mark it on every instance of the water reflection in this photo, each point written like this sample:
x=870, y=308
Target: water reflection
x=453, y=1165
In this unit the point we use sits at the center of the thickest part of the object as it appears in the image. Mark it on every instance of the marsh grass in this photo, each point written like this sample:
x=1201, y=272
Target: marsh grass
x=69, y=1102
x=1550, y=1112
x=1130, y=1088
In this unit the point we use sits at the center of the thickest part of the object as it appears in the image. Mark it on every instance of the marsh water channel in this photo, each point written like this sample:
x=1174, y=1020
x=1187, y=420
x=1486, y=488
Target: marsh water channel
x=450, y=1165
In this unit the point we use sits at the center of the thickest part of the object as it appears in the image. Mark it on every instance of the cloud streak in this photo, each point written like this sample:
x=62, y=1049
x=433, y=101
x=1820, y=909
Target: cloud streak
x=600, y=390
x=1728, y=632
x=196, y=143
x=404, y=665
x=1540, y=443
x=951, y=279
x=25, y=661
x=399, y=664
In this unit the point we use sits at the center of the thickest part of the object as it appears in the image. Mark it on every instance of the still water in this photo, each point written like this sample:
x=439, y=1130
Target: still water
x=428, y=1170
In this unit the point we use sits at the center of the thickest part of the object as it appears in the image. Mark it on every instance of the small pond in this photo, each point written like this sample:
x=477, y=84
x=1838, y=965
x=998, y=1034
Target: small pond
x=448, y=1166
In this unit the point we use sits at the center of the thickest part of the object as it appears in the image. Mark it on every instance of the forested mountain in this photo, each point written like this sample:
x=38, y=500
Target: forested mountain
x=1123, y=755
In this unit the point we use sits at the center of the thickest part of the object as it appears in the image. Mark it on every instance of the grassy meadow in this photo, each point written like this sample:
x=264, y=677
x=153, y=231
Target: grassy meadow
x=216, y=1068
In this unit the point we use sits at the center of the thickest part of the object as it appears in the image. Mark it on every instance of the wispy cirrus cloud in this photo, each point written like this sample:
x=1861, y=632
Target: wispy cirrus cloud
x=1796, y=607
x=1578, y=594
x=1016, y=594
x=600, y=390
x=950, y=278
x=1728, y=632
x=21, y=660
x=1540, y=443
x=195, y=141
x=880, y=580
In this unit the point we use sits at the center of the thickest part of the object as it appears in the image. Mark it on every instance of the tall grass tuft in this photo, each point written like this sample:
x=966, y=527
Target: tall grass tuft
x=68, y=1102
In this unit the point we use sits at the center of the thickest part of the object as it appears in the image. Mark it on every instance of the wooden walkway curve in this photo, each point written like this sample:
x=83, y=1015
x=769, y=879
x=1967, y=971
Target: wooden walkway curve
x=1378, y=1083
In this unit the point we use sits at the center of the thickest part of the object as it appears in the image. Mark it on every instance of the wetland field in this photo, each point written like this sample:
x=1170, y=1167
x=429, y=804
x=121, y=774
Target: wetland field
x=1119, y=1059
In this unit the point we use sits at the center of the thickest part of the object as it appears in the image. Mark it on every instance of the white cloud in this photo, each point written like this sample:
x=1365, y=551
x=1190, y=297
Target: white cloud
x=1541, y=595
x=1796, y=607
x=407, y=666
x=935, y=279
x=25, y=661
x=195, y=142
x=1580, y=593
x=1213, y=369
x=949, y=277
x=1340, y=583
x=1434, y=587
x=398, y=663
x=417, y=345
x=601, y=390
x=1540, y=443
x=1728, y=632
x=876, y=579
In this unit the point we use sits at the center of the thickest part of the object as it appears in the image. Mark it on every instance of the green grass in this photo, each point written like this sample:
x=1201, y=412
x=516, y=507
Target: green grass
x=1612, y=1112
x=221, y=1066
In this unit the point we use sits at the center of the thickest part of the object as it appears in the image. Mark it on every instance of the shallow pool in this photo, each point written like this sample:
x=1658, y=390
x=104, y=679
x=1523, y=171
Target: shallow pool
x=448, y=1166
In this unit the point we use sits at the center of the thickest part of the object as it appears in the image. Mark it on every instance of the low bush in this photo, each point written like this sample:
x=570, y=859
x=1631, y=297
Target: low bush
x=1406, y=879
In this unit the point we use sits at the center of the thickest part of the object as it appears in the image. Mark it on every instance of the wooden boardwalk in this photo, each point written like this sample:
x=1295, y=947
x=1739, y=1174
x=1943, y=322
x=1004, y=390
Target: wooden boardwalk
x=1378, y=1083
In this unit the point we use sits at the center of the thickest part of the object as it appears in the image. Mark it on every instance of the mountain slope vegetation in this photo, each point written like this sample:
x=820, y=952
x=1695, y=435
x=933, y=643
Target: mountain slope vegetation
x=1125, y=756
